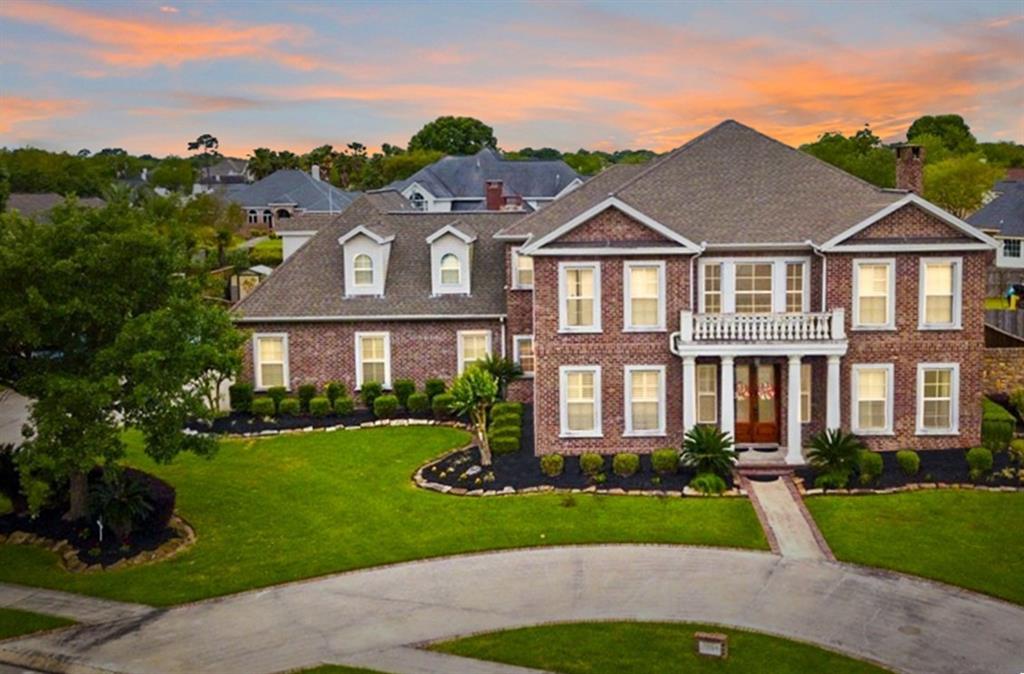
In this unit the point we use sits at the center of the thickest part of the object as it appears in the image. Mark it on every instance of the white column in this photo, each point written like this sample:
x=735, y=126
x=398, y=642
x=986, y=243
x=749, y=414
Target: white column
x=689, y=392
x=794, y=439
x=832, y=410
x=727, y=418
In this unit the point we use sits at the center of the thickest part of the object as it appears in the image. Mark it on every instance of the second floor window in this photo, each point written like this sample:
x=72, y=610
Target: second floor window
x=451, y=270
x=644, y=304
x=713, y=289
x=754, y=288
x=873, y=287
x=580, y=297
x=794, y=287
x=940, y=293
x=522, y=270
x=362, y=270
x=1011, y=247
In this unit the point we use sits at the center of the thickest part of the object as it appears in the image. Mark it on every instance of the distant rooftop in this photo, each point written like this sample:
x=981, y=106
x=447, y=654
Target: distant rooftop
x=38, y=206
x=291, y=186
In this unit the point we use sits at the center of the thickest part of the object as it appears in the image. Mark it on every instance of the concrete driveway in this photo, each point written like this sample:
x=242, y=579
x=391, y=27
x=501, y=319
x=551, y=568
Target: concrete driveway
x=371, y=617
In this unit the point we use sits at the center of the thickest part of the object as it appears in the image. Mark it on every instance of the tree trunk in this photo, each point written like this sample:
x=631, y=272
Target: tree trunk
x=79, y=492
x=481, y=434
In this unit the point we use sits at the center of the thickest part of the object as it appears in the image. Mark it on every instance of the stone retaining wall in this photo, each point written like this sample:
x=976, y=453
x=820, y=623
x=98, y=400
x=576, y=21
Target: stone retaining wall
x=1003, y=369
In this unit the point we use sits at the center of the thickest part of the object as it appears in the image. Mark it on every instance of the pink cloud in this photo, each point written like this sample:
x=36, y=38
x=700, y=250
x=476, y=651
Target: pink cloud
x=15, y=110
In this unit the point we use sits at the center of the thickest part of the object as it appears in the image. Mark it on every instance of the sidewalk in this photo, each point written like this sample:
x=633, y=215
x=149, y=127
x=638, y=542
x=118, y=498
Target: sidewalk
x=788, y=525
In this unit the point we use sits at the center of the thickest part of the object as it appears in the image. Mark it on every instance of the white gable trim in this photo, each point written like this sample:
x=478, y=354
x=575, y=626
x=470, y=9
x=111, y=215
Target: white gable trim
x=416, y=187
x=611, y=202
x=362, y=229
x=454, y=230
x=928, y=207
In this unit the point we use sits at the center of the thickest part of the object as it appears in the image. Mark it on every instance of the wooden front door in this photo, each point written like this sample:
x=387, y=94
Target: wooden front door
x=757, y=404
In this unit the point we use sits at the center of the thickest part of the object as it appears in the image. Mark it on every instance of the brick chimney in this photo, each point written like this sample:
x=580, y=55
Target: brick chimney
x=910, y=168
x=493, y=190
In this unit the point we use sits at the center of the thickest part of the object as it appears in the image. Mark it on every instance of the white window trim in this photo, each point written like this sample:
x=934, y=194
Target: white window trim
x=563, y=326
x=728, y=280
x=516, y=285
x=697, y=394
x=461, y=366
x=628, y=390
x=373, y=271
x=359, y=358
x=515, y=354
x=627, y=318
x=257, y=370
x=890, y=397
x=958, y=265
x=563, y=374
x=890, y=323
x=809, y=393
x=954, y=405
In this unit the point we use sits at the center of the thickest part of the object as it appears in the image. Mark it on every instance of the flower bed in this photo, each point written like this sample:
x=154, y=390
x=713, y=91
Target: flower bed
x=243, y=423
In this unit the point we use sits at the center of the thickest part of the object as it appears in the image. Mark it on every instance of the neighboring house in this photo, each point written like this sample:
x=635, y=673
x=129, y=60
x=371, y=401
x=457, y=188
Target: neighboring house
x=38, y=206
x=286, y=193
x=1003, y=218
x=227, y=171
x=300, y=228
x=486, y=181
x=735, y=282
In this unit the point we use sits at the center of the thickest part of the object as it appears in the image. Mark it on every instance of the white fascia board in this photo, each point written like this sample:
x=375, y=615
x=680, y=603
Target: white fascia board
x=297, y=232
x=350, y=319
x=512, y=237
x=453, y=229
x=609, y=250
x=361, y=229
x=773, y=245
x=576, y=182
x=611, y=202
x=909, y=247
x=923, y=204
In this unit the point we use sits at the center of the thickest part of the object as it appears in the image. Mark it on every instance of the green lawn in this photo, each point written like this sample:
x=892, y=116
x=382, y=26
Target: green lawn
x=969, y=538
x=14, y=623
x=288, y=507
x=267, y=252
x=648, y=648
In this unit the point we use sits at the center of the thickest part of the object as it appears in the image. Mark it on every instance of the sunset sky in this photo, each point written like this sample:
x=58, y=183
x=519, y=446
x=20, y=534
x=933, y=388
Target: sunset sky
x=148, y=76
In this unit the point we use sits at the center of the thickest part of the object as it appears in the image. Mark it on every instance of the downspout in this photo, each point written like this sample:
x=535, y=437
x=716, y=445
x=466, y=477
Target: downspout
x=672, y=338
x=503, y=350
x=824, y=273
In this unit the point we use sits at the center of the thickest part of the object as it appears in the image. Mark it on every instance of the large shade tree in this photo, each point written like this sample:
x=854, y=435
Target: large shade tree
x=102, y=324
x=454, y=135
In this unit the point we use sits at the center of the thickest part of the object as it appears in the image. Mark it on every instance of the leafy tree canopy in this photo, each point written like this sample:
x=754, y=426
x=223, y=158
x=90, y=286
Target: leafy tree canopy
x=175, y=174
x=454, y=135
x=861, y=154
x=959, y=184
x=954, y=132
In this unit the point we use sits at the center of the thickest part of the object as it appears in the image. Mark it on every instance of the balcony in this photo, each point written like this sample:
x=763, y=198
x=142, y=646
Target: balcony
x=820, y=332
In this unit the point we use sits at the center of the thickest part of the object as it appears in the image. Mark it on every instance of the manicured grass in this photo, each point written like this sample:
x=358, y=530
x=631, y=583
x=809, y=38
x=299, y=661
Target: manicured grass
x=267, y=252
x=969, y=538
x=294, y=506
x=14, y=623
x=648, y=648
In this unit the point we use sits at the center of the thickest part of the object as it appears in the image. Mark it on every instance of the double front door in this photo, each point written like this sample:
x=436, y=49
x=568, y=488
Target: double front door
x=757, y=403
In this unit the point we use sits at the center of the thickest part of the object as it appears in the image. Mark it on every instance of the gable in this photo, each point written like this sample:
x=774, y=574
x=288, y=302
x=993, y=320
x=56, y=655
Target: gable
x=910, y=223
x=610, y=226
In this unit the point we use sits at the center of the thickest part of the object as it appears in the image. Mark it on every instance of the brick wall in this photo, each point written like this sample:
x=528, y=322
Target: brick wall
x=1003, y=369
x=909, y=222
x=519, y=307
x=611, y=225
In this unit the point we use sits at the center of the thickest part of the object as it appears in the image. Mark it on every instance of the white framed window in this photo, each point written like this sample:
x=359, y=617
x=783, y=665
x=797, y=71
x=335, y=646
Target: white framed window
x=796, y=287
x=754, y=292
x=362, y=270
x=522, y=353
x=872, y=398
x=373, y=358
x=579, y=302
x=473, y=345
x=268, y=218
x=1012, y=247
x=253, y=217
x=644, y=296
x=645, y=400
x=270, y=355
x=711, y=295
x=451, y=270
x=522, y=270
x=806, y=377
x=580, y=401
x=874, y=294
x=940, y=293
x=418, y=201
x=938, y=399
x=707, y=393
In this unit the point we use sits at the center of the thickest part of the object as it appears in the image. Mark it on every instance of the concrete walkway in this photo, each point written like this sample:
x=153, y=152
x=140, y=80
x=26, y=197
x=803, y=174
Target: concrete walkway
x=787, y=523
x=77, y=607
x=371, y=618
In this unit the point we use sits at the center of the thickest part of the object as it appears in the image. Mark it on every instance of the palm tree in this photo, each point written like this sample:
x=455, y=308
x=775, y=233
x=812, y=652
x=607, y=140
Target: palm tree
x=504, y=370
x=206, y=143
x=473, y=393
x=708, y=450
x=834, y=452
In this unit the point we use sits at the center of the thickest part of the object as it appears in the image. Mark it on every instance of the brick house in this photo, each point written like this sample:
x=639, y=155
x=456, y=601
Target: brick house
x=734, y=281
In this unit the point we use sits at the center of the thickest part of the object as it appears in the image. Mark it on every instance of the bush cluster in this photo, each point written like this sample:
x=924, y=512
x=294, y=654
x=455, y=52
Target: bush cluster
x=434, y=387
x=277, y=394
x=417, y=403
x=1017, y=400
x=909, y=462
x=320, y=406
x=370, y=391
x=335, y=390
x=665, y=461
x=625, y=464
x=263, y=406
x=979, y=461
x=344, y=405
x=869, y=465
x=289, y=406
x=708, y=483
x=441, y=404
x=385, y=406
x=591, y=464
x=552, y=465
x=240, y=397
x=506, y=428
x=306, y=392
x=403, y=388
x=997, y=426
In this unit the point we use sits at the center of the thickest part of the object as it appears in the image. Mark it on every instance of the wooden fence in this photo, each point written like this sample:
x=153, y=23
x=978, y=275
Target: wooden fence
x=1007, y=321
x=999, y=280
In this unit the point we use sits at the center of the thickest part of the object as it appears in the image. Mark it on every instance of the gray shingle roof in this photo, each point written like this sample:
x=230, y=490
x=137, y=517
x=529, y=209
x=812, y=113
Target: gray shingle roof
x=732, y=184
x=39, y=205
x=1004, y=213
x=311, y=282
x=292, y=186
x=313, y=222
x=464, y=176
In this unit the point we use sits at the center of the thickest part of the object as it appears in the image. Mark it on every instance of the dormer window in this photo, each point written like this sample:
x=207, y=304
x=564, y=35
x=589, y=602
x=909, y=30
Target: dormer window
x=451, y=270
x=418, y=201
x=362, y=270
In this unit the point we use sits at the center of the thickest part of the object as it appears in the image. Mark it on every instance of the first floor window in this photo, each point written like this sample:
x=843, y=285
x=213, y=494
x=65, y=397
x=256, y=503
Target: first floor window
x=713, y=289
x=581, y=401
x=268, y=218
x=271, y=361
x=707, y=394
x=473, y=346
x=523, y=353
x=253, y=218
x=805, y=393
x=872, y=398
x=873, y=287
x=937, y=398
x=644, y=388
x=1011, y=247
x=373, y=355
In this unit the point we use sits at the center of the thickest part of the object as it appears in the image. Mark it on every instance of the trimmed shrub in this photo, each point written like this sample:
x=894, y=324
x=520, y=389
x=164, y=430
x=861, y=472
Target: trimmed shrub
x=384, y=407
x=869, y=465
x=708, y=483
x=240, y=396
x=161, y=497
x=434, y=387
x=335, y=390
x=979, y=460
x=625, y=465
x=500, y=408
x=290, y=406
x=552, y=465
x=320, y=406
x=418, y=403
x=909, y=461
x=997, y=426
x=1017, y=450
x=1017, y=400
x=836, y=479
x=344, y=406
x=371, y=391
x=665, y=461
x=504, y=444
x=591, y=464
x=441, y=404
x=277, y=394
x=306, y=393
x=513, y=431
x=507, y=420
x=403, y=388
x=263, y=406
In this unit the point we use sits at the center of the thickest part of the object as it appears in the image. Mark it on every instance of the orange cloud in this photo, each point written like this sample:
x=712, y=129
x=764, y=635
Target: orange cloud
x=16, y=110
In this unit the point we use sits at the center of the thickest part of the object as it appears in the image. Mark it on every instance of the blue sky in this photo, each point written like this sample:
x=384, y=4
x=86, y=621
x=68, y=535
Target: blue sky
x=147, y=76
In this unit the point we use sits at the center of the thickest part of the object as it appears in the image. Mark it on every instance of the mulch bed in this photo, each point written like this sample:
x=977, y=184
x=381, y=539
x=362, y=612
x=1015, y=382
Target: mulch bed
x=242, y=422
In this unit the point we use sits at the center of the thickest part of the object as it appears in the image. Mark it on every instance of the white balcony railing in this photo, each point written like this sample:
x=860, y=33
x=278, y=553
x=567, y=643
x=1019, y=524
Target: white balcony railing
x=762, y=328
